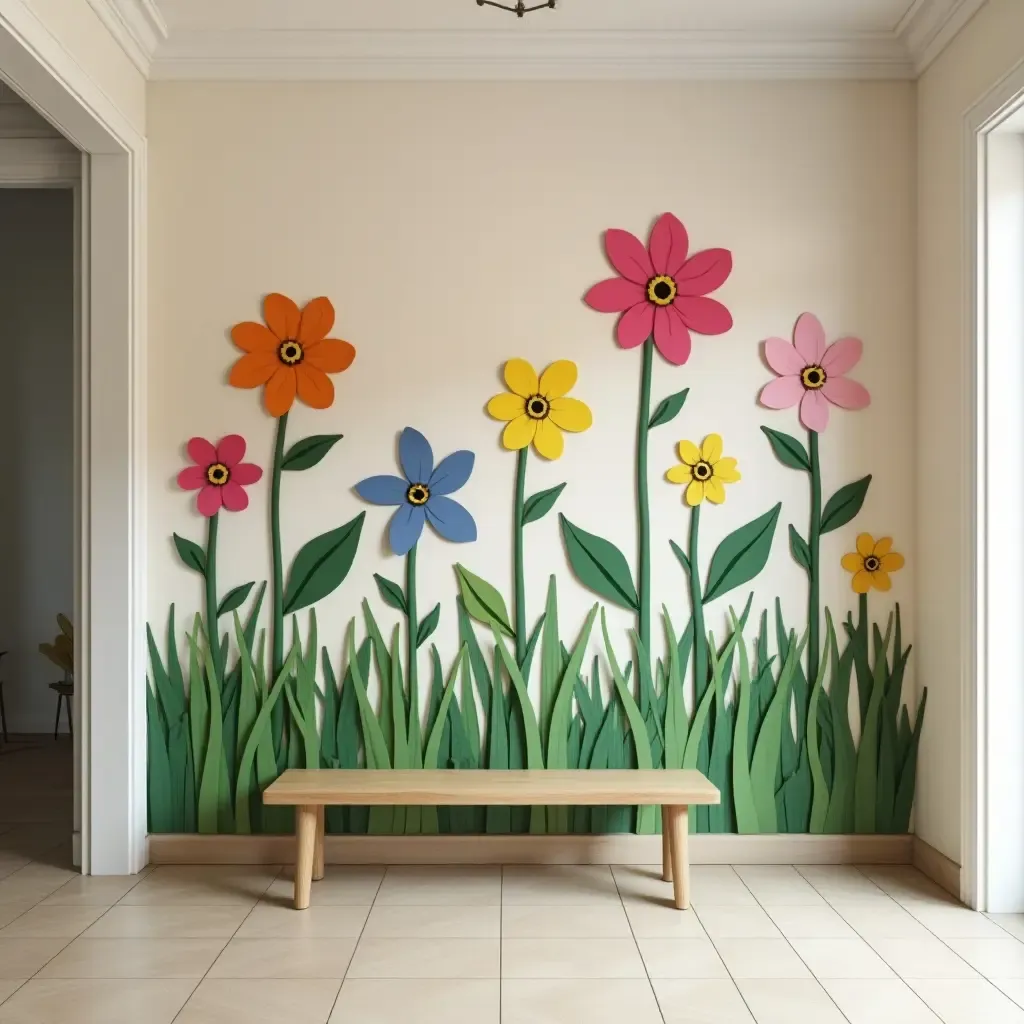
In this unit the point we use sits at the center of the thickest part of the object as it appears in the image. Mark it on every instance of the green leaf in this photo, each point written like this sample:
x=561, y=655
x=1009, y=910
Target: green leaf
x=321, y=566
x=788, y=450
x=681, y=555
x=305, y=454
x=599, y=565
x=427, y=626
x=482, y=601
x=801, y=552
x=844, y=504
x=391, y=593
x=742, y=555
x=234, y=599
x=191, y=554
x=539, y=505
x=668, y=409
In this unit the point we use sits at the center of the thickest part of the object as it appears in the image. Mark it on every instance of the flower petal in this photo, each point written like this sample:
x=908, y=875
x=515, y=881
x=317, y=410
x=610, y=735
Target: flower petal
x=809, y=339
x=231, y=450
x=703, y=315
x=892, y=562
x=405, y=528
x=711, y=449
x=316, y=320
x=628, y=256
x=852, y=562
x=636, y=325
x=706, y=272
x=451, y=519
x=614, y=295
x=883, y=546
x=846, y=393
x=783, y=357
x=782, y=393
x=519, y=433
x=521, y=378
x=861, y=581
x=679, y=474
x=280, y=391
x=452, y=473
x=671, y=335
x=201, y=452
x=726, y=471
x=689, y=453
x=714, y=491
x=330, y=355
x=209, y=501
x=669, y=245
x=416, y=456
x=314, y=387
x=507, y=406
x=571, y=414
x=881, y=580
x=192, y=478
x=254, y=370
x=865, y=545
x=253, y=337
x=842, y=356
x=694, y=493
x=282, y=316
x=246, y=473
x=558, y=379
x=383, y=490
x=813, y=410
x=548, y=440
x=234, y=497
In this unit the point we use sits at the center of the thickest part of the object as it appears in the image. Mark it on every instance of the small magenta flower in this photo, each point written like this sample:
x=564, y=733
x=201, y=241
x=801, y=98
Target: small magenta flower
x=219, y=474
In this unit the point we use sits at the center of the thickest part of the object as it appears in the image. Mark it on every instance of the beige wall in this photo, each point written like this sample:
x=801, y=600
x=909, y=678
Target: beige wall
x=984, y=52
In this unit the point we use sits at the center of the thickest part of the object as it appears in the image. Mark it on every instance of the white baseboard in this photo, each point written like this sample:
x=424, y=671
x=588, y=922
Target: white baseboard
x=937, y=866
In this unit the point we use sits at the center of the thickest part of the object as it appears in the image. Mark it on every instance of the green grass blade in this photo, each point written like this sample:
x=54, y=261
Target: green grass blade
x=213, y=759
x=552, y=667
x=676, y=724
x=742, y=788
x=159, y=784
x=904, y=803
x=866, y=797
x=383, y=662
x=820, y=800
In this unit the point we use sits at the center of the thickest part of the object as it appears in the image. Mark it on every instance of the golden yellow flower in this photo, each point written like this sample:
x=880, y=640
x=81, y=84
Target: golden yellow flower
x=537, y=410
x=704, y=471
x=872, y=562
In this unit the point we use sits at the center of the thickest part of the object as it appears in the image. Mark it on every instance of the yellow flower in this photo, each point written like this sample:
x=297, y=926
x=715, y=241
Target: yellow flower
x=872, y=562
x=536, y=410
x=704, y=471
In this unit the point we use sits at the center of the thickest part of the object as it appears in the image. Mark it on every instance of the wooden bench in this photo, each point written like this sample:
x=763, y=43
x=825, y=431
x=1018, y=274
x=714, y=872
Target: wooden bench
x=309, y=791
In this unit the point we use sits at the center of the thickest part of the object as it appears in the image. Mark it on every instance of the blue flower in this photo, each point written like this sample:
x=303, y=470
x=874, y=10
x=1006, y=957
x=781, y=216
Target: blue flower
x=423, y=494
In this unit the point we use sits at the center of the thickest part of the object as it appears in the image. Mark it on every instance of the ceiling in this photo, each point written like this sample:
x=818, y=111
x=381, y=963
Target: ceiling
x=581, y=39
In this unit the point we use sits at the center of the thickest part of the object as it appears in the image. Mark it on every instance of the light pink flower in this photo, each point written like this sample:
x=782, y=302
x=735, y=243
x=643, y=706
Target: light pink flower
x=661, y=290
x=813, y=373
x=219, y=474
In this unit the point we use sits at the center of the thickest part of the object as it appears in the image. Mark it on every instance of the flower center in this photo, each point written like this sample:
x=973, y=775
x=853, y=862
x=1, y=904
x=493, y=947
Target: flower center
x=814, y=377
x=537, y=407
x=703, y=471
x=290, y=353
x=418, y=494
x=872, y=563
x=662, y=290
x=218, y=474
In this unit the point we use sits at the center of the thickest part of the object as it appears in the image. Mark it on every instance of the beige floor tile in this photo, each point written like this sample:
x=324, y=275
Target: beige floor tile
x=871, y=920
x=789, y=1000
x=903, y=882
x=761, y=958
x=271, y=921
x=426, y=958
x=436, y=1001
x=11, y=862
x=9, y=986
x=43, y=922
x=737, y=923
x=696, y=1001
x=1013, y=987
x=354, y=886
x=922, y=958
x=950, y=922
x=654, y=921
x=718, y=886
x=1013, y=924
x=429, y=922
x=841, y=883
x=558, y=1000
x=465, y=885
x=558, y=885
x=571, y=958
x=21, y=958
x=810, y=922
x=96, y=1001
x=134, y=958
x=779, y=886
x=200, y=886
x=681, y=958
x=12, y=911
x=841, y=958
x=643, y=883
x=159, y=922
x=879, y=1002
x=596, y=921
x=964, y=1001
x=284, y=958
x=993, y=958
x=94, y=890
x=260, y=1001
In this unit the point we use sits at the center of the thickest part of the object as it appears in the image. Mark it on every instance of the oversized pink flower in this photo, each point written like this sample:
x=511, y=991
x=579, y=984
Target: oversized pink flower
x=661, y=290
x=219, y=474
x=812, y=373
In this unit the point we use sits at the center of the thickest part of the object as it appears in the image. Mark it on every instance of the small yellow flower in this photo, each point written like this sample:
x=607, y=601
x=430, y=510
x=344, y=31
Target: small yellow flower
x=536, y=410
x=872, y=562
x=704, y=471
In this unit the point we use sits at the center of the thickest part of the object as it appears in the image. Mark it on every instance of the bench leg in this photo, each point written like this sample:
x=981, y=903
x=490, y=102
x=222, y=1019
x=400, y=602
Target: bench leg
x=666, y=846
x=679, y=831
x=305, y=843
x=318, y=853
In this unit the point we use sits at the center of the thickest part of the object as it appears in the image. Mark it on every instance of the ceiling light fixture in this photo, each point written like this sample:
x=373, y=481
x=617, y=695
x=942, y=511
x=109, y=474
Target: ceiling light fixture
x=520, y=8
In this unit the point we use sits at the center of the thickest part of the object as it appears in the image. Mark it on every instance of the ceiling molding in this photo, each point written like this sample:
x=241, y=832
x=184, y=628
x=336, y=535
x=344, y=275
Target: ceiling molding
x=502, y=55
x=930, y=25
x=137, y=25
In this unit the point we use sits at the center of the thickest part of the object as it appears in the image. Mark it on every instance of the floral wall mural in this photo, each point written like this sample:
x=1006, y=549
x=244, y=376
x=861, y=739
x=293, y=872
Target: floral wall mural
x=803, y=723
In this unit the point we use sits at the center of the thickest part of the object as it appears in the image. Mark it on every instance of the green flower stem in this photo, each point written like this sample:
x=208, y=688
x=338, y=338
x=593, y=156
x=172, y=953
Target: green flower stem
x=814, y=542
x=275, y=540
x=412, y=619
x=212, y=632
x=520, y=577
x=643, y=508
x=700, y=637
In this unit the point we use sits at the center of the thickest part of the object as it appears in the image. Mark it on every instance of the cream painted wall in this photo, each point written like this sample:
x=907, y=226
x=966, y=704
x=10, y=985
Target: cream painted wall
x=455, y=226
x=989, y=46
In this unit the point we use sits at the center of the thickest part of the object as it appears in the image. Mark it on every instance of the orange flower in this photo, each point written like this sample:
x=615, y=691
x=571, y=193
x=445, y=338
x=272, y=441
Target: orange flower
x=872, y=562
x=291, y=354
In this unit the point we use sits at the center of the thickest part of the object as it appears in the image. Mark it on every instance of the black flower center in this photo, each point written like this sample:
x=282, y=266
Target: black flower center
x=537, y=407
x=814, y=377
x=418, y=494
x=703, y=471
x=290, y=353
x=218, y=474
x=872, y=563
x=662, y=290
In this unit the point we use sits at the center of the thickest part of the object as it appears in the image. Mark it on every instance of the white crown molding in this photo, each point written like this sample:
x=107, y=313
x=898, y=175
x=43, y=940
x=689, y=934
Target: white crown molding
x=137, y=25
x=504, y=55
x=930, y=25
